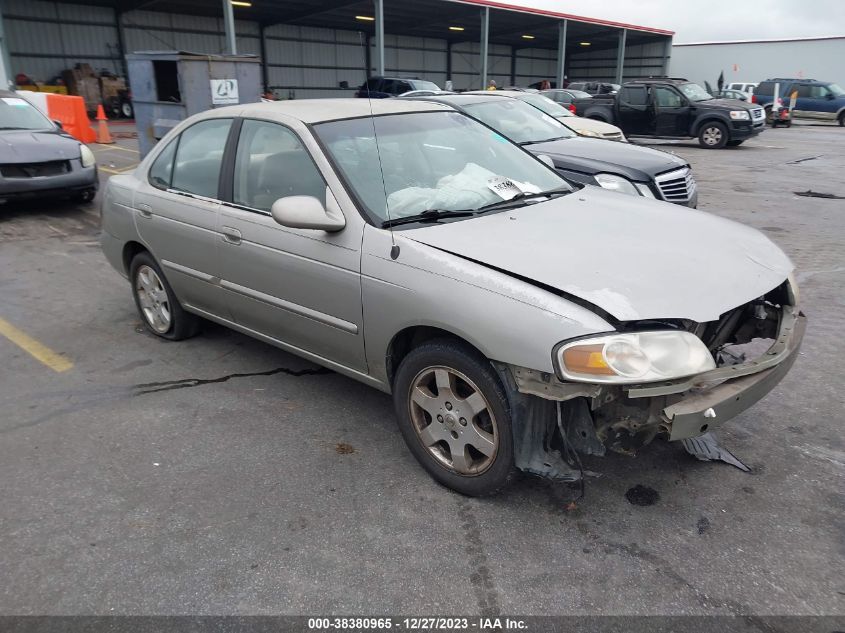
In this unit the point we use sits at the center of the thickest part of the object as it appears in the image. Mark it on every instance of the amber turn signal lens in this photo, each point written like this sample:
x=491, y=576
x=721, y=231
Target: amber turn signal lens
x=586, y=359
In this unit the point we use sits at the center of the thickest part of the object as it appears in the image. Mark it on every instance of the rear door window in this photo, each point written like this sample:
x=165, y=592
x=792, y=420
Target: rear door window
x=199, y=157
x=634, y=95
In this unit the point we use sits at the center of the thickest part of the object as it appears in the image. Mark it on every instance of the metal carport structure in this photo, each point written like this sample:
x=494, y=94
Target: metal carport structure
x=467, y=41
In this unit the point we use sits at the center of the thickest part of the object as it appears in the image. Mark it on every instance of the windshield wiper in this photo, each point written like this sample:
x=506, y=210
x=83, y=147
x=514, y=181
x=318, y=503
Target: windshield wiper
x=429, y=215
x=11, y=127
x=520, y=197
x=547, y=140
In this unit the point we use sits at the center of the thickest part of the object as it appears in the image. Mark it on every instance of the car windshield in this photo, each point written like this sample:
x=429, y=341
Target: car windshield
x=694, y=92
x=424, y=85
x=545, y=104
x=518, y=121
x=19, y=114
x=836, y=90
x=440, y=161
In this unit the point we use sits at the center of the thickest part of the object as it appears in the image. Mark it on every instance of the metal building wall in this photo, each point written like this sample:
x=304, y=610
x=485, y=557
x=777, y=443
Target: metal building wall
x=44, y=38
x=641, y=60
x=756, y=61
x=535, y=64
x=156, y=31
x=466, y=65
x=308, y=62
x=421, y=57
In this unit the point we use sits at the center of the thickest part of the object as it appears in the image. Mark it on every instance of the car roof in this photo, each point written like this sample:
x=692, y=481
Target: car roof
x=319, y=110
x=463, y=98
x=514, y=94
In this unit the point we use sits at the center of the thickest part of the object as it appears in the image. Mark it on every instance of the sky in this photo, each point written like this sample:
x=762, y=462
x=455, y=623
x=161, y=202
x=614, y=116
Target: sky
x=713, y=20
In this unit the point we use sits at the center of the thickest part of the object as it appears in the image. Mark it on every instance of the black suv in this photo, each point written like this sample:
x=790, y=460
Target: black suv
x=822, y=100
x=384, y=87
x=666, y=107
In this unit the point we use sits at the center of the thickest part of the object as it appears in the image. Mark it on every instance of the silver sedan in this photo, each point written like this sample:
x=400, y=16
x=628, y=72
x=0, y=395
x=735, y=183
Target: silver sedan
x=519, y=320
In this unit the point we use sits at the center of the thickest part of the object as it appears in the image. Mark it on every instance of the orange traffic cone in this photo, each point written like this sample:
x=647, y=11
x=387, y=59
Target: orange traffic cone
x=103, y=134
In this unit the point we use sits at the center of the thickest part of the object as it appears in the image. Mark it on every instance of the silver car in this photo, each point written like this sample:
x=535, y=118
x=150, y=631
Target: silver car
x=518, y=320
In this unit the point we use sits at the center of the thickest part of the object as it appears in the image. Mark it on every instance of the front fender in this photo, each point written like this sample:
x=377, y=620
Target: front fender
x=508, y=320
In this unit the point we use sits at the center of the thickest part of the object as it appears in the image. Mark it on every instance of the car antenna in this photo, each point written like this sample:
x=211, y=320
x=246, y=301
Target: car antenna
x=394, y=248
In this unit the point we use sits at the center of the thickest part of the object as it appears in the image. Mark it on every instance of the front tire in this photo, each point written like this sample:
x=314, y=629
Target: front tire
x=157, y=303
x=454, y=416
x=842, y=119
x=713, y=135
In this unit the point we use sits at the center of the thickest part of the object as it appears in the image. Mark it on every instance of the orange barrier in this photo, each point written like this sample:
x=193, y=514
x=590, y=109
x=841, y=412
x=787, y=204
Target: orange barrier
x=103, y=135
x=71, y=112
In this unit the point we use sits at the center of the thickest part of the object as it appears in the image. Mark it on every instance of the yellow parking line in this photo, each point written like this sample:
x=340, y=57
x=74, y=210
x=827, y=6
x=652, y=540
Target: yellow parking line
x=39, y=351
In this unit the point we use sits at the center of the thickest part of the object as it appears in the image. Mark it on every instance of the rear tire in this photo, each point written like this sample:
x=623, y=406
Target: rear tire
x=126, y=110
x=842, y=119
x=768, y=111
x=453, y=413
x=157, y=304
x=713, y=135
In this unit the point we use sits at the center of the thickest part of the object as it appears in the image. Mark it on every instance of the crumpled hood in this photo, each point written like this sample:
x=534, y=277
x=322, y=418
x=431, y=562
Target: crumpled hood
x=592, y=155
x=25, y=146
x=632, y=257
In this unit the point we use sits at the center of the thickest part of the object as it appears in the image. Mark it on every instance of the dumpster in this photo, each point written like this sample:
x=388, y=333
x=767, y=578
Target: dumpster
x=169, y=86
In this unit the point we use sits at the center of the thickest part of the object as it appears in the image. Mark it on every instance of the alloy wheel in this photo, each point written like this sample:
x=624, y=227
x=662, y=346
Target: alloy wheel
x=153, y=299
x=453, y=420
x=712, y=136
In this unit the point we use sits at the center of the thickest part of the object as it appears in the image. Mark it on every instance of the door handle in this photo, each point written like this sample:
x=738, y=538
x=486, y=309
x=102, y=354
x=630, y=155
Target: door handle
x=145, y=210
x=230, y=235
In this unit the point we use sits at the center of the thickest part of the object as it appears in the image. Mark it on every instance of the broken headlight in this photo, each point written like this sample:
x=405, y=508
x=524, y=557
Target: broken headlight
x=634, y=357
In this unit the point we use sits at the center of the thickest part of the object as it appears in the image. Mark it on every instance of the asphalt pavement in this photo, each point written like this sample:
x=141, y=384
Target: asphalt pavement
x=215, y=476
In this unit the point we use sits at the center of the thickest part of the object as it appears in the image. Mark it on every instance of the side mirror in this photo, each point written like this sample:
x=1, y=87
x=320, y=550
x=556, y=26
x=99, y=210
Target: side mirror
x=831, y=96
x=546, y=160
x=58, y=124
x=306, y=212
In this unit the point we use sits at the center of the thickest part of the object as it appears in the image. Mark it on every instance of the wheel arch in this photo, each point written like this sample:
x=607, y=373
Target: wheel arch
x=704, y=120
x=130, y=250
x=412, y=336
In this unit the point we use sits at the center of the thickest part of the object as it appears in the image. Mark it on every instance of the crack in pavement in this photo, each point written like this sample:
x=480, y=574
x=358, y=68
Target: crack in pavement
x=98, y=397
x=155, y=387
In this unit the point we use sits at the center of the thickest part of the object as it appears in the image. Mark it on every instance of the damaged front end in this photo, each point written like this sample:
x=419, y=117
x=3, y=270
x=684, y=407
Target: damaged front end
x=752, y=346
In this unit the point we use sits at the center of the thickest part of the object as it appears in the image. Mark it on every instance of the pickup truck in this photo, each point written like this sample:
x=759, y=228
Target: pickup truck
x=675, y=108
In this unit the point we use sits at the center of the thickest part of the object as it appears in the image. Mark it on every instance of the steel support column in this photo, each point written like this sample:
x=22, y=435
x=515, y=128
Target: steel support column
x=379, y=6
x=667, y=55
x=448, y=60
x=485, y=28
x=229, y=23
x=561, y=53
x=620, y=55
x=265, y=72
x=5, y=66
